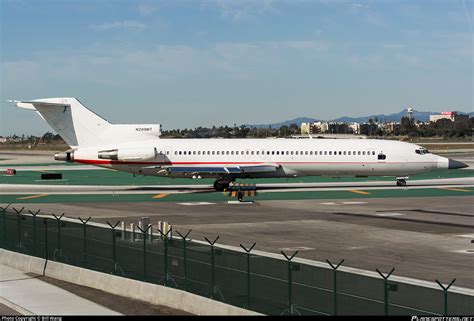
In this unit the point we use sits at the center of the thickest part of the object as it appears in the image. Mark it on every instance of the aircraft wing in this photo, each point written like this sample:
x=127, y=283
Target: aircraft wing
x=261, y=168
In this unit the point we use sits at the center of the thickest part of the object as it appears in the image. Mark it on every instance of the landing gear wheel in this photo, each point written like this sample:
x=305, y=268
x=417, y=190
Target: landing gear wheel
x=221, y=185
x=401, y=182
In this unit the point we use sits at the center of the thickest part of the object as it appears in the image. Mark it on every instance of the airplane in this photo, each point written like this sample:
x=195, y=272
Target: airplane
x=138, y=149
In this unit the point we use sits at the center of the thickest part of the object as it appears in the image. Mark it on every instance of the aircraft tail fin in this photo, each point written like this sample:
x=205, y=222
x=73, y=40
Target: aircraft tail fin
x=76, y=124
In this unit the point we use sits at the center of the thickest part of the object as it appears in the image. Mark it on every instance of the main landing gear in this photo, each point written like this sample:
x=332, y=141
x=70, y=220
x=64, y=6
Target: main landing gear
x=220, y=185
x=401, y=182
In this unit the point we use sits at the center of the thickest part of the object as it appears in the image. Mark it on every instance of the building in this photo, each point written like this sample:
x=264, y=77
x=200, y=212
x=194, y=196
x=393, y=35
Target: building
x=3, y=139
x=451, y=115
x=314, y=128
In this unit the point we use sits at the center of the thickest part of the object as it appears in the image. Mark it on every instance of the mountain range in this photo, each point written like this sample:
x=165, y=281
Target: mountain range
x=423, y=116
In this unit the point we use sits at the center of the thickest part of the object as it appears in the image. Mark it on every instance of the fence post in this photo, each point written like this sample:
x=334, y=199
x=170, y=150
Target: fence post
x=59, y=251
x=45, y=222
x=18, y=213
x=84, y=236
x=115, y=267
x=247, y=252
x=184, y=258
x=445, y=290
x=334, y=268
x=34, y=230
x=291, y=267
x=144, y=250
x=165, y=240
x=385, y=285
x=4, y=236
x=212, y=265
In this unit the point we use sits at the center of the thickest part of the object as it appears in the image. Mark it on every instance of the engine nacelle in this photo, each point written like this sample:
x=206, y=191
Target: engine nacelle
x=128, y=154
x=67, y=156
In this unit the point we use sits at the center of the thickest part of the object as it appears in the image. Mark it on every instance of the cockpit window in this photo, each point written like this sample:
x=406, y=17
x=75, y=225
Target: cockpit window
x=422, y=151
x=381, y=156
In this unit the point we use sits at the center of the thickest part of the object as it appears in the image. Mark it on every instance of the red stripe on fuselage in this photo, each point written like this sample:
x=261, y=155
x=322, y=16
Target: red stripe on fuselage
x=111, y=162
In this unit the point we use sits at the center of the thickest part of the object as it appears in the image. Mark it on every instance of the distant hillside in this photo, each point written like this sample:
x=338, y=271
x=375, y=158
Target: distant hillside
x=417, y=115
x=297, y=121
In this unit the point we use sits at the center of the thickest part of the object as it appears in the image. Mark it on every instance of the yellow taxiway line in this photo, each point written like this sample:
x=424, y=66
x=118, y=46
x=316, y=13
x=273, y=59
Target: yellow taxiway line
x=160, y=195
x=358, y=192
x=456, y=189
x=33, y=196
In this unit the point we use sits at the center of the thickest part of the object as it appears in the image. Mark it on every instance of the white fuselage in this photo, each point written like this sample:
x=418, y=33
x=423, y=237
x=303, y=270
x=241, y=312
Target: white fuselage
x=292, y=157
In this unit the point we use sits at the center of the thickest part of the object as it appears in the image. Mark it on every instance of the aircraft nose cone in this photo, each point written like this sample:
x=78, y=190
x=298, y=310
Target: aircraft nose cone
x=455, y=164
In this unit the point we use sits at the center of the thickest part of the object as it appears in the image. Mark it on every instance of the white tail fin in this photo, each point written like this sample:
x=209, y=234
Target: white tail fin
x=76, y=124
x=79, y=126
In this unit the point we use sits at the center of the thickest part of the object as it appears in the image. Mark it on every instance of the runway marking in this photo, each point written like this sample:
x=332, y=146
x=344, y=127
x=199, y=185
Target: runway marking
x=465, y=251
x=297, y=248
x=33, y=196
x=358, y=192
x=469, y=236
x=330, y=203
x=389, y=214
x=160, y=195
x=196, y=203
x=354, y=203
x=456, y=189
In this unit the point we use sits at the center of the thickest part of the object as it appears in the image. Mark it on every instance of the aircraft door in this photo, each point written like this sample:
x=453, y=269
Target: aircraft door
x=160, y=155
x=168, y=153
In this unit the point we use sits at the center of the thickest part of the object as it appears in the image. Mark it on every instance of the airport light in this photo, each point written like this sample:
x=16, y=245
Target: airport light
x=184, y=258
x=248, y=270
x=334, y=268
x=34, y=229
x=386, y=288
x=84, y=225
x=445, y=291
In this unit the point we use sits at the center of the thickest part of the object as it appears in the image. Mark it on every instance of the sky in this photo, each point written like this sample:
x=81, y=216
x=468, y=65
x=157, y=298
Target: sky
x=185, y=64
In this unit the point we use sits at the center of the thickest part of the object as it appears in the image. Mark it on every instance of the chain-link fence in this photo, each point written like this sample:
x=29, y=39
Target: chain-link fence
x=261, y=283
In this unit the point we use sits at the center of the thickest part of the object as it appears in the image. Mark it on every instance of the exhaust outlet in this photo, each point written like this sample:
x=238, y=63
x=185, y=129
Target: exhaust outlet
x=67, y=156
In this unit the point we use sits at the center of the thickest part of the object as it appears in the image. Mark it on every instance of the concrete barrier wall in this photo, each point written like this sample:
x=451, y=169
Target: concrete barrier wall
x=155, y=294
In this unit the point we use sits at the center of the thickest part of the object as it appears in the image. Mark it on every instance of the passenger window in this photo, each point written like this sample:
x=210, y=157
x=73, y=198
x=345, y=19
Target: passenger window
x=373, y=152
x=268, y=152
x=291, y=153
x=349, y=153
x=325, y=152
x=344, y=153
x=278, y=153
x=311, y=152
x=340, y=153
x=363, y=152
x=330, y=152
x=273, y=152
